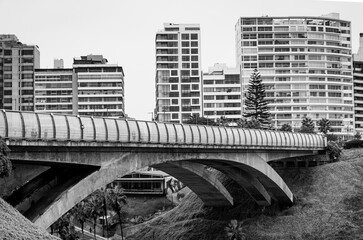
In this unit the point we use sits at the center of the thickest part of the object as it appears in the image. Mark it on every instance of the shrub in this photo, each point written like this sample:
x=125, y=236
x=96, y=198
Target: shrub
x=334, y=151
x=355, y=143
x=331, y=137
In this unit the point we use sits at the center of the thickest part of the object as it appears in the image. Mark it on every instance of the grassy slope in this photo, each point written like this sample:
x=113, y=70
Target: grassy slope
x=14, y=226
x=329, y=205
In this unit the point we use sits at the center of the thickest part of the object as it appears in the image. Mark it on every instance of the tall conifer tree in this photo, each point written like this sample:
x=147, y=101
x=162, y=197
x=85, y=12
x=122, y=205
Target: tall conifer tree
x=255, y=102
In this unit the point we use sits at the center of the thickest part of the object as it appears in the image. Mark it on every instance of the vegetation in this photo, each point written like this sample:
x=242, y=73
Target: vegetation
x=324, y=125
x=357, y=135
x=234, y=230
x=13, y=225
x=195, y=119
x=329, y=205
x=355, y=143
x=116, y=200
x=286, y=128
x=5, y=163
x=307, y=125
x=252, y=123
x=333, y=151
x=256, y=104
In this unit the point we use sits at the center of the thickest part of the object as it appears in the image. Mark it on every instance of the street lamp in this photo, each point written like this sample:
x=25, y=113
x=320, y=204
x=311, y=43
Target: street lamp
x=152, y=115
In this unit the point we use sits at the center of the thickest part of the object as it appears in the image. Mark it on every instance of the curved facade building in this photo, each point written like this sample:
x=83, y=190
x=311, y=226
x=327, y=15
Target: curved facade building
x=306, y=66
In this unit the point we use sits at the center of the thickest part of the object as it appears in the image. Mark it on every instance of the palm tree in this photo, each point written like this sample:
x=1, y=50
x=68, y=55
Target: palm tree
x=94, y=209
x=80, y=212
x=104, y=193
x=116, y=200
x=235, y=230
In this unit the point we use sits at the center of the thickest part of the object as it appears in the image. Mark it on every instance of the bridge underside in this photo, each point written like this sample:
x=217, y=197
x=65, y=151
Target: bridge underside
x=72, y=174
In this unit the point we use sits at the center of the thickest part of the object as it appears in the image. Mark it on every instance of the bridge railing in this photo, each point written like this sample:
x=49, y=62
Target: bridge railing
x=52, y=127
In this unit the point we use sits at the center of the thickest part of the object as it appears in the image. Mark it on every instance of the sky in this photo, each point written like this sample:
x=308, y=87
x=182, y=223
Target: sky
x=123, y=31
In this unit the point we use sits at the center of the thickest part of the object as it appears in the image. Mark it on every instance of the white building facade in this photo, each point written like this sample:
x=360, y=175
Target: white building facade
x=305, y=64
x=92, y=87
x=222, y=93
x=99, y=87
x=53, y=90
x=178, y=75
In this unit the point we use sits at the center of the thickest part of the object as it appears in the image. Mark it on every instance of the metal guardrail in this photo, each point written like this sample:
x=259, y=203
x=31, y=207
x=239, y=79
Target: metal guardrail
x=52, y=127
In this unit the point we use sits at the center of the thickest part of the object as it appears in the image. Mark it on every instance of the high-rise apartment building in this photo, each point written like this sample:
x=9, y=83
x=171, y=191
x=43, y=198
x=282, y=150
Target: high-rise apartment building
x=358, y=95
x=178, y=75
x=91, y=87
x=98, y=87
x=222, y=93
x=358, y=86
x=305, y=64
x=58, y=63
x=17, y=64
x=53, y=90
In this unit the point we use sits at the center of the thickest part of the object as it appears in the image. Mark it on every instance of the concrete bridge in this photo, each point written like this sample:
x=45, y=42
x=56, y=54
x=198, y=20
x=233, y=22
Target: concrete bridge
x=61, y=159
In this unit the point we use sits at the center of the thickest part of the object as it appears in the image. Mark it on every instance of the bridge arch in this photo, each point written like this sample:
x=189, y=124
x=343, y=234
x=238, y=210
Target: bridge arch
x=254, y=174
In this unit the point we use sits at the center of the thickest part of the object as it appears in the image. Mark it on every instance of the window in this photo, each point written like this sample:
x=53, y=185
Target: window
x=249, y=43
x=27, y=52
x=7, y=52
x=185, y=36
x=185, y=51
x=195, y=65
x=174, y=101
x=265, y=29
x=195, y=101
x=185, y=44
x=249, y=58
x=194, y=58
x=185, y=65
x=194, y=44
x=174, y=87
x=185, y=58
x=194, y=36
x=194, y=51
x=248, y=36
x=264, y=35
x=249, y=21
x=265, y=42
x=334, y=94
x=250, y=65
x=266, y=65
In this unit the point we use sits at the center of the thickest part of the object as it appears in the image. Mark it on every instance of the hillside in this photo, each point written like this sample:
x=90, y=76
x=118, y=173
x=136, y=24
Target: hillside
x=329, y=205
x=14, y=226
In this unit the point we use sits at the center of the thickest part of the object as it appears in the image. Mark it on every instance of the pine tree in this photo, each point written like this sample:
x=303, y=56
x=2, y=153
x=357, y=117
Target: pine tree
x=256, y=104
x=324, y=125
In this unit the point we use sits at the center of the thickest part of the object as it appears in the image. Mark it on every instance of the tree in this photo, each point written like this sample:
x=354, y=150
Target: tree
x=324, y=125
x=104, y=193
x=5, y=163
x=80, y=212
x=64, y=228
x=252, y=123
x=235, y=230
x=307, y=125
x=116, y=200
x=286, y=128
x=256, y=104
x=194, y=119
x=357, y=135
x=94, y=209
